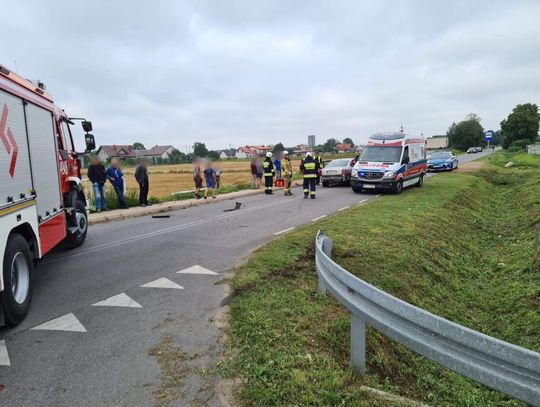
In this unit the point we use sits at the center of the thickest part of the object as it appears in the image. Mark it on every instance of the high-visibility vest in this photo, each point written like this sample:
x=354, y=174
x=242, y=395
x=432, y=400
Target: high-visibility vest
x=310, y=168
x=268, y=168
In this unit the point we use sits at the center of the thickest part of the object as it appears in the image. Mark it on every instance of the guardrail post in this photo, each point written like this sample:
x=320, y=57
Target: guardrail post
x=358, y=345
x=327, y=244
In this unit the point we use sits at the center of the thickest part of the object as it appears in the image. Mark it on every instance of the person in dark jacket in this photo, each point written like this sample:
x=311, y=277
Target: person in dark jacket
x=269, y=172
x=116, y=178
x=141, y=175
x=310, y=169
x=97, y=176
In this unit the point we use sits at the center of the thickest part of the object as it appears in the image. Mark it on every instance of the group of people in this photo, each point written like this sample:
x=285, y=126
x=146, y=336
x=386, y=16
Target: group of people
x=282, y=169
x=98, y=176
x=212, y=178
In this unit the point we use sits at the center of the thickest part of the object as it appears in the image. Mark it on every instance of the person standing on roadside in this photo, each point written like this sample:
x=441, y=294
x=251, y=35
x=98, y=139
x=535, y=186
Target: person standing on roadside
x=310, y=169
x=269, y=172
x=260, y=171
x=141, y=175
x=210, y=177
x=320, y=161
x=197, y=178
x=287, y=173
x=277, y=166
x=98, y=177
x=116, y=178
x=253, y=167
x=218, y=177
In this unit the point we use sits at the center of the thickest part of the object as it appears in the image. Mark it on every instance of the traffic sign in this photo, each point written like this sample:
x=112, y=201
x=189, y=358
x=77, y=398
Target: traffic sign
x=488, y=135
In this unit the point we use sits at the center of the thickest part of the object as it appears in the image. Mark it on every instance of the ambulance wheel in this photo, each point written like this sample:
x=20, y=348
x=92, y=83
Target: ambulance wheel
x=78, y=236
x=420, y=181
x=325, y=184
x=398, y=189
x=357, y=190
x=18, y=270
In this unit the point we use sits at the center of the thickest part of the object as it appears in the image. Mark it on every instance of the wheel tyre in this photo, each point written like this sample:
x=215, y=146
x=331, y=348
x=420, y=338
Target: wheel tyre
x=325, y=184
x=77, y=239
x=357, y=190
x=18, y=275
x=398, y=189
x=420, y=181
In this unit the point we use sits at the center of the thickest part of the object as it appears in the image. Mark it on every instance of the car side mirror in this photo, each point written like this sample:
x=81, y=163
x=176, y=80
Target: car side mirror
x=87, y=126
x=90, y=142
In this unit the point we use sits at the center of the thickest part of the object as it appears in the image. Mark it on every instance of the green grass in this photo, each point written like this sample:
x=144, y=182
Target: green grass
x=460, y=247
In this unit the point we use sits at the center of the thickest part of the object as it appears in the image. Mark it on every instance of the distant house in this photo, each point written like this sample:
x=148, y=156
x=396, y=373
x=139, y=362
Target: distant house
x=115, y=151
x=435, y=142
x=245, y=152
x=344, y=148
x=261, y=149
x=227, y=154
x=124, y=152
x=162, y=152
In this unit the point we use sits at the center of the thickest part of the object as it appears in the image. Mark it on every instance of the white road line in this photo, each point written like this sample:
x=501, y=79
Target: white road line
x=196, y=270
x=318, y=218
x=68, y=322
x=120, y=300
x=363, y=200
x=284, y=231
x=376, y=196
x=162, y=283
x=4, y=356
x=344, y=208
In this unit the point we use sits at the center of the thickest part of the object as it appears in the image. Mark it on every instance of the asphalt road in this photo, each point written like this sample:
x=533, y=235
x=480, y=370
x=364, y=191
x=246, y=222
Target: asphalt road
x=107, y=355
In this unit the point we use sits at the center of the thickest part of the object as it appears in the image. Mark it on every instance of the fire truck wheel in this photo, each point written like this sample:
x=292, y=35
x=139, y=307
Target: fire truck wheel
x=18, y=270
x=77, y=239
x=398, y=189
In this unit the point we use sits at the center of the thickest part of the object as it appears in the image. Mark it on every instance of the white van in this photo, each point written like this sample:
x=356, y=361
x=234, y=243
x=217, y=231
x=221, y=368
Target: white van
x=390, y=161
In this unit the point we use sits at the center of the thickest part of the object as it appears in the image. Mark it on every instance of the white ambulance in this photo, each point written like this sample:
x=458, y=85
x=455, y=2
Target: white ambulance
x=390, y=162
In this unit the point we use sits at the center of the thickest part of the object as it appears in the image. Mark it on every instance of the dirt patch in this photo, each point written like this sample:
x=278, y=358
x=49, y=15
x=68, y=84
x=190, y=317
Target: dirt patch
x=472, y=166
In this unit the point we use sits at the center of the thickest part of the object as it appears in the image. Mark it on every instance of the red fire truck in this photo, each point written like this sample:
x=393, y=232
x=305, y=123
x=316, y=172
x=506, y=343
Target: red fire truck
x=42, y=202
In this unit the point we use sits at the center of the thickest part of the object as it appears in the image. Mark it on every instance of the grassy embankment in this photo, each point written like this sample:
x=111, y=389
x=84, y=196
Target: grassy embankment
x=460, y=247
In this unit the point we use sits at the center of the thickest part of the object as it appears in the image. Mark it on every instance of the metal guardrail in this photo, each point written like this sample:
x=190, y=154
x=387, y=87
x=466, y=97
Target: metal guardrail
x=500, y=365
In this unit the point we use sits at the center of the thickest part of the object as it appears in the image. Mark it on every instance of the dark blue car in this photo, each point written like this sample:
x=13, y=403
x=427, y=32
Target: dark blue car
x=442, y=161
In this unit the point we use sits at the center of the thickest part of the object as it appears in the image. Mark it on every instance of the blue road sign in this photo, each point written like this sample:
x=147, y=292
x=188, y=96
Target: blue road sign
x=488, y=135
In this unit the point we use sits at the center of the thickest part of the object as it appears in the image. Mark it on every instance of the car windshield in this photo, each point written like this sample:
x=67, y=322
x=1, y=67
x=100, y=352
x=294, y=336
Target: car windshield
x=338, y=163
x=381, y=154
x=441, y=154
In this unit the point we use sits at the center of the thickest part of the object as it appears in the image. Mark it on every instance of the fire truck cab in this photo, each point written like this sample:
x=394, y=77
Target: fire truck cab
x=42, y=202
x=390, y=161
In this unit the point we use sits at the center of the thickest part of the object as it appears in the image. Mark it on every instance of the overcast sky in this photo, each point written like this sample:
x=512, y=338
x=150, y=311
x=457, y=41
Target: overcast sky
x=254, y=71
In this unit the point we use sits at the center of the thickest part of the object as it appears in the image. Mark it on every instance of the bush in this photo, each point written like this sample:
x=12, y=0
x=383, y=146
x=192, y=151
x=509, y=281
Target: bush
x=519, y=145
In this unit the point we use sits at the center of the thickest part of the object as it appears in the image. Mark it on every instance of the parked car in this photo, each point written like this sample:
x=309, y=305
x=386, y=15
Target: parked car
x=337, y=172
x=442, y=161
x=473, y=150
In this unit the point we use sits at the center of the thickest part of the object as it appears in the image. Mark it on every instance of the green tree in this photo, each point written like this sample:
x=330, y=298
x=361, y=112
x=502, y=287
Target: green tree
x=278, y=148
x=213, y=155
x=200, y=150
x=521, y=124
x=467, y=133
x=330, y=145
x=348, y=140
x=176, y=156
x=138, y=146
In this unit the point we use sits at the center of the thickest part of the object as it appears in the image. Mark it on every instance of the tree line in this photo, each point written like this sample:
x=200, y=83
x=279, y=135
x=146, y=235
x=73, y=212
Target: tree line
x=517, y=130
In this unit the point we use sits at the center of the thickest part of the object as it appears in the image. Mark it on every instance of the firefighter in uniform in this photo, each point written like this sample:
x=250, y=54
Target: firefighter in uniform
x=319, y=159
x=287, y=173
x=310, y=169
x=268, y=167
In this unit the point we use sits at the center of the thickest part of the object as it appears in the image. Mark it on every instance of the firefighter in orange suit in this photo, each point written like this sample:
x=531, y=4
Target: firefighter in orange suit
x=269, y=172
x=287, y=173
x=310, y=170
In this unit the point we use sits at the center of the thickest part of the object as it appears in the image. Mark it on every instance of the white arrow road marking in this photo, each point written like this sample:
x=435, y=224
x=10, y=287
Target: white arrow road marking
x=68, y=322
x=120, y=300
x=196, y=270
x=162, y=283
x=4, y=356
x=284, y=231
